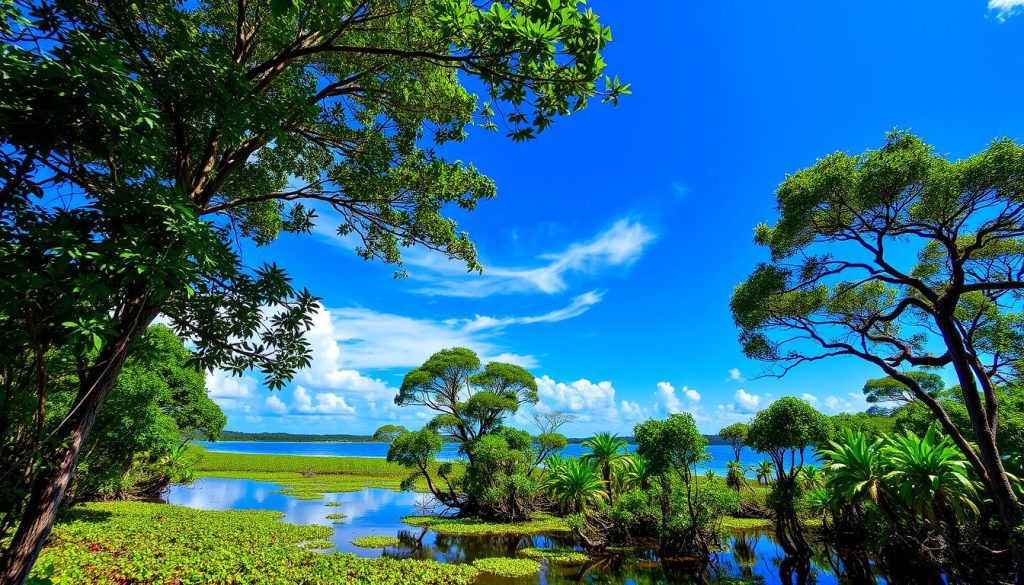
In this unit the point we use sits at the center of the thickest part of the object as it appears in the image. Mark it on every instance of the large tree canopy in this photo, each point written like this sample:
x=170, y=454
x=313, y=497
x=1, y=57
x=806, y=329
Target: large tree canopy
x=904, y=259
x=143, y=143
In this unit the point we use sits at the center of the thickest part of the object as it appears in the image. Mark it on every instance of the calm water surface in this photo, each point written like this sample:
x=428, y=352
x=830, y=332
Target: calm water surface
x=379, y=512
x=720, y=454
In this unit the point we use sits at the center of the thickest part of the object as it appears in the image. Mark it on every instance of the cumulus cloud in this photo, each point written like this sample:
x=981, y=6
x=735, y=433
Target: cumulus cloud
x=746, y=402
x=673, y=401
x=851, y=402
x=230, y=392
x=620, y=245
x=319, y=403
x=588, y=400
x=735, y=375
x=275, y=405
x=811, y=398
x=1004, y=9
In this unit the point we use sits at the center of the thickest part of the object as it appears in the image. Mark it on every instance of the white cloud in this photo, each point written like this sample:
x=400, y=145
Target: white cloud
x=320, y=403
x=231, y=392
x=735, y=375
x=747, y=402
x=275, y=405
x=1005, y=8
x=591, y=402
x=620, y=245
x=852, y=402
x=811, y=398
x=350, y=339
x=673, y=402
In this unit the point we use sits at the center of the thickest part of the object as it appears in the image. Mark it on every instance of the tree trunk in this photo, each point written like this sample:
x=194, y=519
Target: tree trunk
x=49, y=486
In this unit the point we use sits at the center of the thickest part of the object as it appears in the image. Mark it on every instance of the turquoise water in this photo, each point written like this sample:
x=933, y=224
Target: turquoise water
x=748, y=555
x=720, y=454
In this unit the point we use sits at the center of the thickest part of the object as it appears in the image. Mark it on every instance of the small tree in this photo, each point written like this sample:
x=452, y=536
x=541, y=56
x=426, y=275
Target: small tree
x=736, y=434
x=672, y=448
x=471, y=405
x=784, y=431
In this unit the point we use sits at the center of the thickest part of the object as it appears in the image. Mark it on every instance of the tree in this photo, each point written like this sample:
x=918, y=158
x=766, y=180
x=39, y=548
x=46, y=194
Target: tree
x=835, y=285
x=672, y=448
x=141, y=144
x=158, y=403
x=471, y=405
x=575, y=484
x=606, y=451
x=735, y=433
x=889, y=389
x=784, y=431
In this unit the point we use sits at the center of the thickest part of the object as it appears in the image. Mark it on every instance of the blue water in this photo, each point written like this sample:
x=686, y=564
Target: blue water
x=748, y=555
x=720, y=454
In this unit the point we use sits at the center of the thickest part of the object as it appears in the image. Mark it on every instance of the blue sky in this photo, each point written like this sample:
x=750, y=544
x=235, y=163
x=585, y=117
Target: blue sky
x=617, y=236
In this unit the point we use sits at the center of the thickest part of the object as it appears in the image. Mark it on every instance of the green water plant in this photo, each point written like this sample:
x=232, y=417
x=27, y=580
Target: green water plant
x=506, y=567
x=376, y=541
x=555, y=554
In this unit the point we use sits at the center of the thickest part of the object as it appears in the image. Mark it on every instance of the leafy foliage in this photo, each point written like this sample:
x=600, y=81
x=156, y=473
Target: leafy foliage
x=471, y=404
x=505, y=567
x=119, y=542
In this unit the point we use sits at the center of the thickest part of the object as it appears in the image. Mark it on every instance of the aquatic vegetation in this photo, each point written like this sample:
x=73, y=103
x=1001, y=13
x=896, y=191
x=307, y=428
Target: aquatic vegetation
x=135, y=542
x=556, y=554
x=505, y=567
x=332, y=504
x=733, y=523
x=540, y=524
x=376, y=541
x=337, y=518
x=305, y=477
x=318, y=544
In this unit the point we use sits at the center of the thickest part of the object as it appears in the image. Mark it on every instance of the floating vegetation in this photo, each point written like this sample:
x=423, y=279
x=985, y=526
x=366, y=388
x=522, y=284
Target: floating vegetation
x=337, y=518
x=376, y=541
x=556, y=554
x=112, y=543
x=540, y=524
x=505, y=567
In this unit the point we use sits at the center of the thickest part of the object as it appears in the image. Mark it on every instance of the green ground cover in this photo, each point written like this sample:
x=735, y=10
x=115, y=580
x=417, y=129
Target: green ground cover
x=304, y=477
x=556, y=554
x=505, y=567
x=135, y=542
x=540, y=524
x=376, y=541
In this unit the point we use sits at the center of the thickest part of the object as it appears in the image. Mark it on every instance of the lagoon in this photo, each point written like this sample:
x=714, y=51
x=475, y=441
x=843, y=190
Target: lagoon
x=378, y=512
x=720, y=454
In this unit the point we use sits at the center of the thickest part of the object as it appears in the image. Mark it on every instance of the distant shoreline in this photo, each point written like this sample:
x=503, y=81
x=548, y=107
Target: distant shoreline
x=240, y=437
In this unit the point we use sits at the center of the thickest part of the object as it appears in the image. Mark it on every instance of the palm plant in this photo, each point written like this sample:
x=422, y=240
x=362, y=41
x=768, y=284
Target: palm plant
x=636, y=472
x=812, y=477
x=736, y=475
x=606, y=451
x=930, y=475
x=854, y=467
x=575, y=484
x=764, y=471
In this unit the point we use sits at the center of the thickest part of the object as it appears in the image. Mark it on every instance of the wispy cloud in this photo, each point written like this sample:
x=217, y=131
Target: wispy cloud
x=1004, y=9
x=620, y=245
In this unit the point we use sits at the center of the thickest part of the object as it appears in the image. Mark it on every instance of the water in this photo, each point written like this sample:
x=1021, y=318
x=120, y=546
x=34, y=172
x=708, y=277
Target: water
x=720, y=454
x=379, y=512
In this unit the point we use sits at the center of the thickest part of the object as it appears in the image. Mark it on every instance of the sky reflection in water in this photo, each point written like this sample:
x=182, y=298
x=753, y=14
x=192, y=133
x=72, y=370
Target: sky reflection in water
x=379, y=512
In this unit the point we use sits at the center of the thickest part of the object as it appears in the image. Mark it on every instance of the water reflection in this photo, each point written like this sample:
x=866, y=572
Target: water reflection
x=750, y=557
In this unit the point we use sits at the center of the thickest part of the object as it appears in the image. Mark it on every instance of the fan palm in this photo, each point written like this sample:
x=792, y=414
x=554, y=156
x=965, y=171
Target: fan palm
x=575, y=484
x=854, y=467
x=764, y=471
x=929, y=474
x=606, y=451
x=636, y=472
x=736, y=474
x=811, y=477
